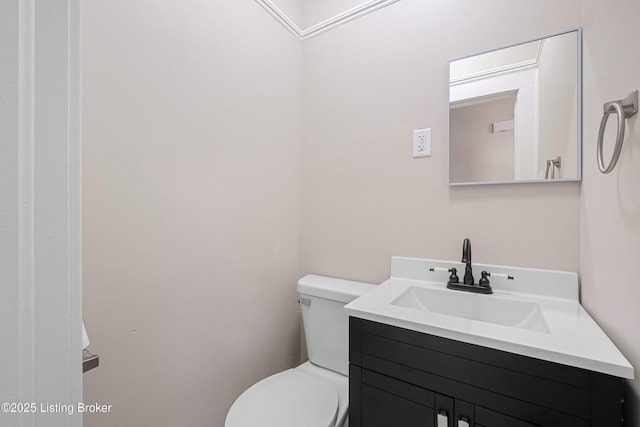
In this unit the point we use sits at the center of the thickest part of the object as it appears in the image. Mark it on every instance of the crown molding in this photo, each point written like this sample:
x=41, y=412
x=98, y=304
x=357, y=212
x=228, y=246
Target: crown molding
x=325, y=25
x=496, y=71
x=281, y=17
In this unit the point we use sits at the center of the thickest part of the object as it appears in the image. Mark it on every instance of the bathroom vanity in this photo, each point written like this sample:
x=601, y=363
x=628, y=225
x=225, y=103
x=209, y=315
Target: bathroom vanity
x=400, y=377
x=528, y=355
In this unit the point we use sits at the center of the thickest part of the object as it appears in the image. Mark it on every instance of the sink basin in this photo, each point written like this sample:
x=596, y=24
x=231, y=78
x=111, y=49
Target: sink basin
x=538, y=314
x=482, y=308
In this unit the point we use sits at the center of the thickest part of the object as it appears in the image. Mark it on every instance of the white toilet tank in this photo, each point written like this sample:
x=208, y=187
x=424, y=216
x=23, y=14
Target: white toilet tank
x=326, y=327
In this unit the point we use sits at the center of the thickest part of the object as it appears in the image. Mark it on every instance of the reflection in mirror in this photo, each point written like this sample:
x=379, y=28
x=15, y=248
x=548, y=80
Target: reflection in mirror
x=515, y=113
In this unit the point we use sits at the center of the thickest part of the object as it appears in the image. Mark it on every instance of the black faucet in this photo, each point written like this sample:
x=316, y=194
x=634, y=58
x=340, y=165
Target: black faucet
x=483, y=287
x=466, y=258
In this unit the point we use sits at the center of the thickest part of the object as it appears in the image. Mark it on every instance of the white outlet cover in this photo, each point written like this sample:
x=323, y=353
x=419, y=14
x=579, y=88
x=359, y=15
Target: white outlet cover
x=422, y=143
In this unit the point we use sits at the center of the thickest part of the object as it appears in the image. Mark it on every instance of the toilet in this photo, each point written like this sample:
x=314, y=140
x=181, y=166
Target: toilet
x=316, y=393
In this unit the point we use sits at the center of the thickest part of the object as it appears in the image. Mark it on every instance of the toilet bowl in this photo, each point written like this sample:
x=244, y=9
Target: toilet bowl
x=295, y=397
x=316, y=393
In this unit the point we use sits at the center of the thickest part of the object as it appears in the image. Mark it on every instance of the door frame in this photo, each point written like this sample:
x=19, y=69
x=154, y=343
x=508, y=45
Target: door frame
x=40, y=209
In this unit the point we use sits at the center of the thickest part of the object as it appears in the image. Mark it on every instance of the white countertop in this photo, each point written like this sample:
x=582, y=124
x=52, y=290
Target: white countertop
x=573, y=337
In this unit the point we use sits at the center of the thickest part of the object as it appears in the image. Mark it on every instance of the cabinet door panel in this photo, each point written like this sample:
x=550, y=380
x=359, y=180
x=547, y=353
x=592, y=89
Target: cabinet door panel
x=382, y=409
x=464, y=413
x=401, y=389
x=487, y=418
x=444, y=407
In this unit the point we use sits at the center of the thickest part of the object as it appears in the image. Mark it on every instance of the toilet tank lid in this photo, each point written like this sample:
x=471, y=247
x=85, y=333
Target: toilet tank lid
x=332, y=288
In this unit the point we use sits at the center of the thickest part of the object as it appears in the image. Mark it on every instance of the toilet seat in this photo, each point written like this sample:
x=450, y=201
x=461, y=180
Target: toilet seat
x=288, y=399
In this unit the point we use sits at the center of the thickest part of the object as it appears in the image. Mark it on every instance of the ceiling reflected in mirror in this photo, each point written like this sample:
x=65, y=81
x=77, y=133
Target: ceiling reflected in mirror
x=308, y=18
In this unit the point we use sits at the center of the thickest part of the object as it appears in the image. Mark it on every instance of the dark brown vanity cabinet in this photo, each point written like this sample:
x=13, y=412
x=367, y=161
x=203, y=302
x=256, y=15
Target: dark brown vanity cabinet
x=403, y=378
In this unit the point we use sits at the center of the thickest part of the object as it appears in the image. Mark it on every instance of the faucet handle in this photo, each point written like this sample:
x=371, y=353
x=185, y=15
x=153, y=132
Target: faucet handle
x=505, y=276
x=453, y=277
x=484, y=280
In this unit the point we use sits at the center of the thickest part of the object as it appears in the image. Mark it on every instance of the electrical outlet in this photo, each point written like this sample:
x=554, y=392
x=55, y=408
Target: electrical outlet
x=421, y=143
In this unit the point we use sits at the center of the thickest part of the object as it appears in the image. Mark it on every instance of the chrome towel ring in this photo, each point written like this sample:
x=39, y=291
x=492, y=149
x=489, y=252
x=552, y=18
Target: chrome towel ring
x=624, y=108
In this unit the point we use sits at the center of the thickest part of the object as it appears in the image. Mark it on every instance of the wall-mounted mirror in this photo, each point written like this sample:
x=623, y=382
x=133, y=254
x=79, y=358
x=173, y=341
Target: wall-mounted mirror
x=515, y=113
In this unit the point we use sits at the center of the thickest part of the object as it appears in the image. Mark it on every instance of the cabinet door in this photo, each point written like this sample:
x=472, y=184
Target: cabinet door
x=464, y=414
x=487, y=418
x=452, y=412
x=382, y=409
x=384, y=402
x=444, y=411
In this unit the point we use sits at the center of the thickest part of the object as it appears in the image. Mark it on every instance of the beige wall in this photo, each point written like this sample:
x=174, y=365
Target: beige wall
x=610, y=205
x=367, y=85
x=191, y=206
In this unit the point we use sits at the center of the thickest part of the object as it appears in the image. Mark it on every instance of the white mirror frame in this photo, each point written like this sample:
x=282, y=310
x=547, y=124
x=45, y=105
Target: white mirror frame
x=533, y=132
x=314, y=30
